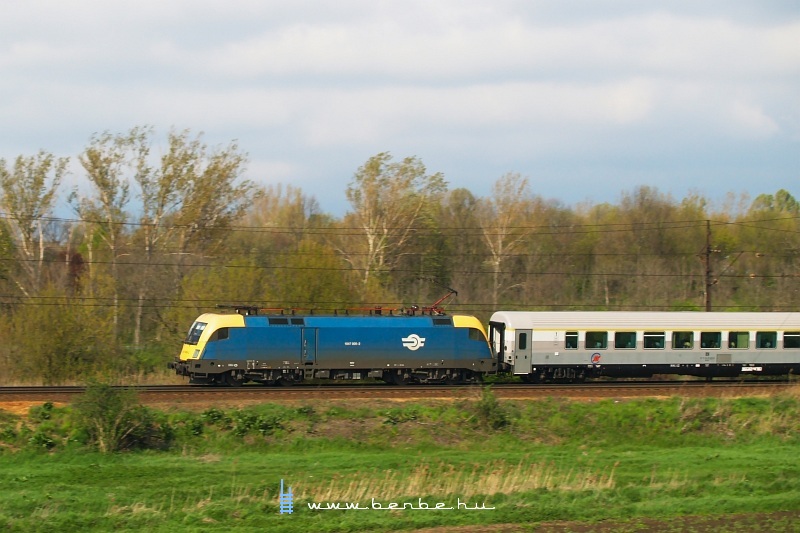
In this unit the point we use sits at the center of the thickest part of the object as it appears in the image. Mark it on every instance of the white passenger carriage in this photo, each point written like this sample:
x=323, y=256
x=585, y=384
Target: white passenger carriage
x=574, y=345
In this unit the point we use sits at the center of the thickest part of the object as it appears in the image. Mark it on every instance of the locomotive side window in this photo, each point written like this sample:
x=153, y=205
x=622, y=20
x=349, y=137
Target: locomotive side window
x=571, y=340
x=791, y=339
x=654, y=339
x=739, y=340
x=596, y=339
x=625, y=340
x=766, y=339
x=476, y=335
x=220, y=335
x=682, y=340
x=710, y=339
x=195, y=332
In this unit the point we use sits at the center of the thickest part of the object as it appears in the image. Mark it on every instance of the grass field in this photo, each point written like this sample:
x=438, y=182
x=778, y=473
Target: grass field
x=702, y=464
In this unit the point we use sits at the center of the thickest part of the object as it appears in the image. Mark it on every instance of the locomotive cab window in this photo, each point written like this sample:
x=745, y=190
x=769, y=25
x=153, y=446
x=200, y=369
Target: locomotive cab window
x=571, y=340
x=766, y=339
x=710, y=339
x=791, y=339
x=682, y=340
x=596, y=339
x=625, y=340
x=654, y=340
x=195, y=332
x=739, y=340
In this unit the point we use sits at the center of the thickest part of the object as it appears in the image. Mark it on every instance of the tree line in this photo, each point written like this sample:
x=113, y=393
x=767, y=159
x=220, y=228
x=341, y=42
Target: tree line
x=159, y=239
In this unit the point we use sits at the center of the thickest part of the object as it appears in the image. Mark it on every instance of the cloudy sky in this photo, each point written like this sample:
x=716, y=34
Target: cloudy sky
x=587, y=99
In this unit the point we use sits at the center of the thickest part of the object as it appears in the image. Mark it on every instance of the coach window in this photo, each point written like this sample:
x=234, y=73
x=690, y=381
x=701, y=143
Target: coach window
x=766, y=339
x=523, y=341
x=739, y=340
x=625, y=340
x=710, y=339
x=654, y=339
x=791, y=339
x=571, y=340
x=596, y=339
x=682, y=340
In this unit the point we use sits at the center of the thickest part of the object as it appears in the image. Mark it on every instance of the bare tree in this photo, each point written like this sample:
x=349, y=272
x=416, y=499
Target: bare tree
x=502, y=219
x=388, y=201
x=29, y=192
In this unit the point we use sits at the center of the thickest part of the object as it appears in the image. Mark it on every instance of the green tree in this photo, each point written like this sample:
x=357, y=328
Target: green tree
x=313, y=277
x=210, y=193
x=59, y=338
x=107, y=162
x=464, y=249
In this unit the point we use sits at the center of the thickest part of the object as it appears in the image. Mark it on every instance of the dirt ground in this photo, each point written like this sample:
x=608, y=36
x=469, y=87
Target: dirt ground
x=778, y=522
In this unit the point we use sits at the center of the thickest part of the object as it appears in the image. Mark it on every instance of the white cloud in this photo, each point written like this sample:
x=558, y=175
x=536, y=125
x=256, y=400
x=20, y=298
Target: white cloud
x=511, y=85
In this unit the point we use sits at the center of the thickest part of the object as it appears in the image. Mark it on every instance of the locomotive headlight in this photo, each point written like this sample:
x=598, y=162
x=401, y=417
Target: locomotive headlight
x=196, y=354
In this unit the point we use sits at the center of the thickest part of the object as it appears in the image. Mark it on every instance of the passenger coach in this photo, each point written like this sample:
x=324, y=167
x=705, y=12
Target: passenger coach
x=572, y=346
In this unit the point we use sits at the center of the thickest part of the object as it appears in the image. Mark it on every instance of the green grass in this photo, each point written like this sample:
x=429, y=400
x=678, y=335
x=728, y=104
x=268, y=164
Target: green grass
x=628, y=462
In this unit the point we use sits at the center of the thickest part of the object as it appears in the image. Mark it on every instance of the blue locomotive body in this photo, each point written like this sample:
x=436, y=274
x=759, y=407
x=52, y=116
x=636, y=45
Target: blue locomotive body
x=277, y=348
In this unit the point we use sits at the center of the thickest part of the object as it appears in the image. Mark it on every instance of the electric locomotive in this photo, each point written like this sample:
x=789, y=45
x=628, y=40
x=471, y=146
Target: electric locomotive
x=234, y=348
x=572, y=346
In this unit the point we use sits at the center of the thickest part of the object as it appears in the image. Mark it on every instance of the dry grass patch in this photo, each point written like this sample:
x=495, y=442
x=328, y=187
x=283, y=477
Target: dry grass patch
x=498, y=477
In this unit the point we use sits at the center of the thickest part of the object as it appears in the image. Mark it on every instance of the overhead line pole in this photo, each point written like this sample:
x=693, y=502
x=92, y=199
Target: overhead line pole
x=707, y=261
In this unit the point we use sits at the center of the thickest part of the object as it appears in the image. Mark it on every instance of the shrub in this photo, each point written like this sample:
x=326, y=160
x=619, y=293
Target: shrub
x=114, y=420
x=489, y=412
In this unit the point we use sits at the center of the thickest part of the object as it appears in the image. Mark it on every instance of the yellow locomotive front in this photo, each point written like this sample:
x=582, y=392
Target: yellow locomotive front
x=202, y=330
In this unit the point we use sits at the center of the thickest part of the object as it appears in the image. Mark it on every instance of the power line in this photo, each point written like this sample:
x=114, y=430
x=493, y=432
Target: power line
x=542, y=229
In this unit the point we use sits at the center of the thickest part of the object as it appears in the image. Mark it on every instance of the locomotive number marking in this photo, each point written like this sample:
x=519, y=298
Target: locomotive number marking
x=352, y=343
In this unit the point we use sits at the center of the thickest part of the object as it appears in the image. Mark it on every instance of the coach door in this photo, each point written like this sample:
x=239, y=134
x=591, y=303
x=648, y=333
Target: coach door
x=309, y=346
x=522, y=351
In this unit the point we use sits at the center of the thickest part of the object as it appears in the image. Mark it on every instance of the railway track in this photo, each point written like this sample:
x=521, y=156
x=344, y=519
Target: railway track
x=189, y=394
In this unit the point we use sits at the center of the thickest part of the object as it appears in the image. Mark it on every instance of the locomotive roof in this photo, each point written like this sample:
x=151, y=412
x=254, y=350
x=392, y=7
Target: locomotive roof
x=311, y=320
x=642, y=320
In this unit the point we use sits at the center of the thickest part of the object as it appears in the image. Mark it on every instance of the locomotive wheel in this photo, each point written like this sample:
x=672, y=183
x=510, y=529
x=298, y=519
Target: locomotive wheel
x=284, y=382
x=397, y=379
x=232, y=381
x=454, y=379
